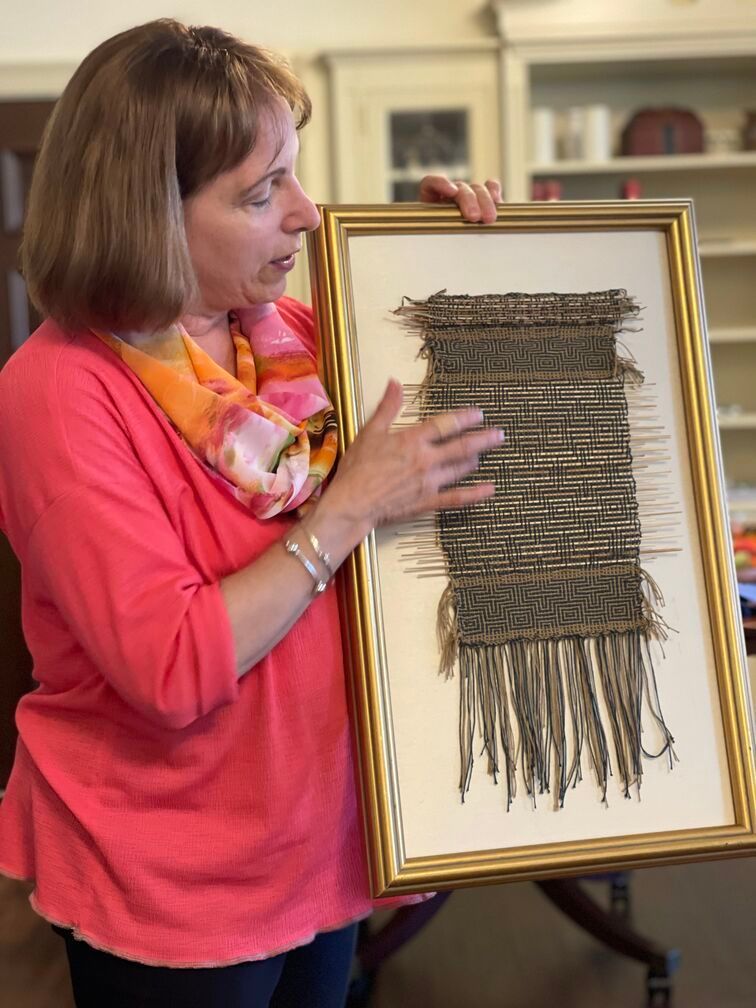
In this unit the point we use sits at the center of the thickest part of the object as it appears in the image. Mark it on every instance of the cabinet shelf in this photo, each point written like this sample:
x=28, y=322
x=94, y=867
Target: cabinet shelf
x=663, y=163
x=719, y=247
x=626, y=72
x=498, y=87
x=738, y=421
x=742, y=502
x=733, y=334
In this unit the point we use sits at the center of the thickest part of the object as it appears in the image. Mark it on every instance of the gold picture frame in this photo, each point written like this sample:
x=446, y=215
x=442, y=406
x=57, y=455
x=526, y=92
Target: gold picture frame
x=364, y=260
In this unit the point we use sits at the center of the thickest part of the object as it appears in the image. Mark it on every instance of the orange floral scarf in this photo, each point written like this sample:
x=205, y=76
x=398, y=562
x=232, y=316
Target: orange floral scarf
x=270, y=433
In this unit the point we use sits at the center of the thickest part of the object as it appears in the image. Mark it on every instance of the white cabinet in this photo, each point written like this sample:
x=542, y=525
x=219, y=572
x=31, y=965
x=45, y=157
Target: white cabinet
x=467, y=112
x=398, y=116
x=709, y=69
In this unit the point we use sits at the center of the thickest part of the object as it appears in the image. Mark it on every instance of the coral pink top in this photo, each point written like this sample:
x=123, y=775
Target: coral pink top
x=167, y=811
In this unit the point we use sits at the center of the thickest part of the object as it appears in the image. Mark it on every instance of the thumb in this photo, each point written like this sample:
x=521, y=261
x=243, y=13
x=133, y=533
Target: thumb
x=388, y=408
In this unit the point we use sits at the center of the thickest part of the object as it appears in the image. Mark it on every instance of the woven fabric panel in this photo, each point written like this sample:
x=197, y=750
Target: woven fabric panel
x=545, y=609
x=555, y=552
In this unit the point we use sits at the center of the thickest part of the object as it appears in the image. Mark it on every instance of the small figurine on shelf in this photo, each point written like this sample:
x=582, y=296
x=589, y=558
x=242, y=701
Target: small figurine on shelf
x=546, y=189
x=553, y=191
x=631, y=189
x=723, y=139
x=538, y=191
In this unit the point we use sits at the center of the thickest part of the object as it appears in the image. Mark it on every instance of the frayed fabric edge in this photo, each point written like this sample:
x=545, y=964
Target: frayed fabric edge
x=94, y=942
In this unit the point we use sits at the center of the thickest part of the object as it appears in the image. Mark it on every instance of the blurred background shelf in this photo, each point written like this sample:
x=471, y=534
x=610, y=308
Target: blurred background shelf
x=468, y=113
x=710, y=248
x=742, y=334
x=743, y=505
x=638, y=165
x=739, y=421
x=714, y=76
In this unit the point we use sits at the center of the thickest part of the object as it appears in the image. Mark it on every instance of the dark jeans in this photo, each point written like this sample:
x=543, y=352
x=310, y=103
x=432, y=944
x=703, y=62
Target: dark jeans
x=312, y=976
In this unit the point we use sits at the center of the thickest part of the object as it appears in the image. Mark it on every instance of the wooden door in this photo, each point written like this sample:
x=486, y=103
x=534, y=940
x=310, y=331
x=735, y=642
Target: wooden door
x=21, y=125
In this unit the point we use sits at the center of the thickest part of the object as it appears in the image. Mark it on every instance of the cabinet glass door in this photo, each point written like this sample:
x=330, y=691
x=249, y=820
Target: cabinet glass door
x=426, y=142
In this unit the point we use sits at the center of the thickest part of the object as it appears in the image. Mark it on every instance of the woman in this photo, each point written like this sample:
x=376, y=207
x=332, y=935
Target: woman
x=183, y=793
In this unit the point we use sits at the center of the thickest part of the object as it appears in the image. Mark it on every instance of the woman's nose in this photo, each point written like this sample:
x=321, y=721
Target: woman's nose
x=304, y=215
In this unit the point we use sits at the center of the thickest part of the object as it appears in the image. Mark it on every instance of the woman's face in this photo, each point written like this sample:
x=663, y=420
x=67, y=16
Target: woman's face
x=244, y=228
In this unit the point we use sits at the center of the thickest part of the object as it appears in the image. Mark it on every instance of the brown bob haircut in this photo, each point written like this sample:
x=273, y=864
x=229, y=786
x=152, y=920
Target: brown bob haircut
x=148, y=118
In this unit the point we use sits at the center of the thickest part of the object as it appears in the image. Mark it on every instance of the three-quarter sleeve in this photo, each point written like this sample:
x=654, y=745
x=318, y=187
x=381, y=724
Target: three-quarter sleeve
x=108, y=559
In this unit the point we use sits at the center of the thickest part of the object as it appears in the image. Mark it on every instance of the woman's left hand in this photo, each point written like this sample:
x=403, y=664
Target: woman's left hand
x=477, y=203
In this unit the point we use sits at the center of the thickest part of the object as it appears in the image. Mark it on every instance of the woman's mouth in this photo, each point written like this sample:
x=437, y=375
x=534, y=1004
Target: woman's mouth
x=285, y=263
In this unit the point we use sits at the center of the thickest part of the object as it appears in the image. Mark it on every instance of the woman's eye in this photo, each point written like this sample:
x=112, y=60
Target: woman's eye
x=264, y=201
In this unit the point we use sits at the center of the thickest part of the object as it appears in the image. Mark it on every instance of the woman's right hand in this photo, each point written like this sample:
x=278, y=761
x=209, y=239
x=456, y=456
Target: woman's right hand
x=390, y=475
x=385, y=476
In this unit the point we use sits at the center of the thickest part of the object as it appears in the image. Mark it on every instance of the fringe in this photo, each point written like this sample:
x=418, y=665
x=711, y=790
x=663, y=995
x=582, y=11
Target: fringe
x=542, y=708
x=611, y=307
x=446, y=631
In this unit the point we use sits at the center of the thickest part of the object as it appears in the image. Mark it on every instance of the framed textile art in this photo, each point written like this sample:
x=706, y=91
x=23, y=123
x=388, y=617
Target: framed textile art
x=551, y=682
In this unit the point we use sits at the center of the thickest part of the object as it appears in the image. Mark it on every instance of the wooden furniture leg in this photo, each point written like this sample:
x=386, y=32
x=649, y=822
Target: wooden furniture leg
x=615, y=931
x=374, y=948
x=611, y=927
x=406, y=922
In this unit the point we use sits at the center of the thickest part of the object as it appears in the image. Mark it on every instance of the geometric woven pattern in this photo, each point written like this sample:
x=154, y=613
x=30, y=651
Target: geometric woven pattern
x=545, y=608
x=556, y=551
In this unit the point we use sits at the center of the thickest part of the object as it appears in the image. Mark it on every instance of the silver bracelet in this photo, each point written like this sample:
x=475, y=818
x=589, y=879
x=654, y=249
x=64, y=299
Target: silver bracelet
x=324, y=557
x=296, y=550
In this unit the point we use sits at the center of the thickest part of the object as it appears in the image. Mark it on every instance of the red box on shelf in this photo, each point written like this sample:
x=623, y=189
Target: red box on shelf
x=663, y=131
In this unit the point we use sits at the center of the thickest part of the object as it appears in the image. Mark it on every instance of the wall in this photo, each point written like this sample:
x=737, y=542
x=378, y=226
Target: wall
x=520, y=17
x=42, y=40
x=64, y=30
x=61, y=30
